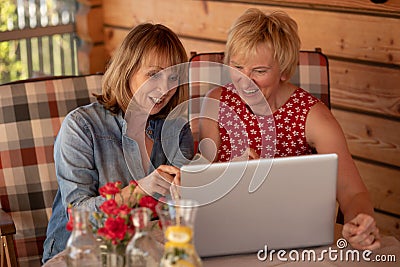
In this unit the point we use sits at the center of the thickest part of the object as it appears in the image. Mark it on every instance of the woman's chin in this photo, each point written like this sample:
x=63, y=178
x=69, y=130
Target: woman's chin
x=156, y=109
x=252, y=99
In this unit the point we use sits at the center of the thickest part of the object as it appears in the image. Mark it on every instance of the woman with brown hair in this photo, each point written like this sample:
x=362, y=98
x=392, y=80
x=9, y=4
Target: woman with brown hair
x=118, y=138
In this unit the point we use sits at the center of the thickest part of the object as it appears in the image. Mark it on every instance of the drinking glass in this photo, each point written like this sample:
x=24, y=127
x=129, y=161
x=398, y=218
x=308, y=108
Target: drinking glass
x=177, y=219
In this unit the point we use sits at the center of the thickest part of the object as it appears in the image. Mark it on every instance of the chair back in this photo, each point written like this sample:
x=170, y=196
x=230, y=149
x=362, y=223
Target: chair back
x=31, y=113
x=312, y=75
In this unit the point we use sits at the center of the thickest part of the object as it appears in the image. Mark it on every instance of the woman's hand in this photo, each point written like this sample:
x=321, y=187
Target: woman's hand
x=159, y=181
x=362, y=233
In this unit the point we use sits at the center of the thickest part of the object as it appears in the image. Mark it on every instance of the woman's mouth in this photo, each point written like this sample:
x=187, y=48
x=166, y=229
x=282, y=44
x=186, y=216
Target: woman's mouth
x=250, y=91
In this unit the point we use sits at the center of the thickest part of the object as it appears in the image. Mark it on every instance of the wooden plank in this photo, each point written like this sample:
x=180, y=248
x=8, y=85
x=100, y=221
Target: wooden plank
x=371, y=137
x=7, y=226
x=388, y=225
x=200, y=46
x=355, y=36
x=390, y=7
x=90, y=2
x=364, y=87
x=383, y=183
x=89, y=26
x=114, y=37
x=91, y=58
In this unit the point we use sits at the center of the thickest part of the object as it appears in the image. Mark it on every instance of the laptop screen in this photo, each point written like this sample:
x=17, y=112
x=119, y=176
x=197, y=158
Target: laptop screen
x=243, y=206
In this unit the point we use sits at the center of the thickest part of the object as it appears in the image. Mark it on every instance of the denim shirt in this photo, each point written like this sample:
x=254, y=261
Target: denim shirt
x=92, y=148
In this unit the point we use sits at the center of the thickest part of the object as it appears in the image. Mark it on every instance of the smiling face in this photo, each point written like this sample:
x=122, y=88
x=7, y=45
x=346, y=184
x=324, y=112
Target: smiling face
x=154, y=84
x=258, y=77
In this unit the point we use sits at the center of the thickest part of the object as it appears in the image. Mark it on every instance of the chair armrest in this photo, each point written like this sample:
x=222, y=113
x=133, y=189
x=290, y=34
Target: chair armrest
x=7, y=231
x=7, y=226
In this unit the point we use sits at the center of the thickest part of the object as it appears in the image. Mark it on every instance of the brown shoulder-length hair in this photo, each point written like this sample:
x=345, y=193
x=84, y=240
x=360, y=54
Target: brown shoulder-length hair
x=143, y=41
x=276, y=30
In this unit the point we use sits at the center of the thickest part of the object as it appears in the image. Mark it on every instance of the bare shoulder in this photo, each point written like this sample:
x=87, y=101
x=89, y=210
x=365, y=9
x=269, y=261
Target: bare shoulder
x=323, y=130
x=215, y=93
x=320, y=111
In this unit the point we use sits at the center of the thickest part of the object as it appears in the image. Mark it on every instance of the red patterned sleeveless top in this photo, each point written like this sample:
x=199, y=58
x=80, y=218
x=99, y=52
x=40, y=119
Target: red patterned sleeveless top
x=281, y=134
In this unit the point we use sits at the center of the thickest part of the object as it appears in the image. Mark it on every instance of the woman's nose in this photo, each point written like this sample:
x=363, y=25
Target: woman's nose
x=163, y=85
x=245, y=78
x=244, y=82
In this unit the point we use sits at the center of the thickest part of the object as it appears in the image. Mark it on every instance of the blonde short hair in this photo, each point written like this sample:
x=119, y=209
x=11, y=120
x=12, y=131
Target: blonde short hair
x=276, y=30
x=142, y=42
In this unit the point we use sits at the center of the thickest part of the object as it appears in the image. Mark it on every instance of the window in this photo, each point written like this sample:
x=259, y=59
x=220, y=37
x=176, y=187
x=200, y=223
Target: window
x=37, y=38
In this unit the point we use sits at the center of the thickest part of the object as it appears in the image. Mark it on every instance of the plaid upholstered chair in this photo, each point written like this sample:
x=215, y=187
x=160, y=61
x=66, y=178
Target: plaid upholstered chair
x=312, y=75
x=31, y=113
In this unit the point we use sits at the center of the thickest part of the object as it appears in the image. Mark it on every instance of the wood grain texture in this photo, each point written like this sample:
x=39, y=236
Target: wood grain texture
x=91, y=58
x=388, y=225
x=390, y=7
x=90, y=2
x=371, y=137
x=365, y=88
x=383, y=183
x=89, y=24
x=114, y=37
x=355, y=36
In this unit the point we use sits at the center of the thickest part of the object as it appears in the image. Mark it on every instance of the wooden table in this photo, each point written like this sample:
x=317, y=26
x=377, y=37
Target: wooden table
x=390, y=250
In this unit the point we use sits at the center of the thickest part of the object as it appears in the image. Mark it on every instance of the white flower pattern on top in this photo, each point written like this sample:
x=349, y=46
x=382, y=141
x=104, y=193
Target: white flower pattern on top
x=282, y=136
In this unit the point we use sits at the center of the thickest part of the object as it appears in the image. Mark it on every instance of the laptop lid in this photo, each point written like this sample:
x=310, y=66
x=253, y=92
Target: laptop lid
x=282, y=203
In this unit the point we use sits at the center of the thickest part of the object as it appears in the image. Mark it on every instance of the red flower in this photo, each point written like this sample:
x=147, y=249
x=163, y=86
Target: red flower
x=70, y=223
x=114, y=222
x=124, y=210
x=149, y=202
x=114, y=229
x=110, y=189
x=109, y=207
x=131, y=230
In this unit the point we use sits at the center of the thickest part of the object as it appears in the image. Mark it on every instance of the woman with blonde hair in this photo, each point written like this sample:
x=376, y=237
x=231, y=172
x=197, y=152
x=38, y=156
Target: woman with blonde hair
x=261, y=114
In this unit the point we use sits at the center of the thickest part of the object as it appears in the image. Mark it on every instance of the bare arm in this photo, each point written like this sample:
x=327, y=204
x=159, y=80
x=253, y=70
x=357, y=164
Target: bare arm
x=210, y=140
x=325, y=134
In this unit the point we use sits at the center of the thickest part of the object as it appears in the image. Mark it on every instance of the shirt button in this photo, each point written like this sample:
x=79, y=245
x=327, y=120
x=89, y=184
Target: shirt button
x=150, y=132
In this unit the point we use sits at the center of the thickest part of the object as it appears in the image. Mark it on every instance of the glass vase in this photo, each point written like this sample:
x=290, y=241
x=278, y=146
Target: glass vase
x=142, y=250
x=83, y=249
x=113, y=256
x=177, y=219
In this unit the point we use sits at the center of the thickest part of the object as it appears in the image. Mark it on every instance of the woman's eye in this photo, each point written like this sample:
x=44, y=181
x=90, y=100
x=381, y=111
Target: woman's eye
x=238, y=67
x=260, y=72
x=154, y=74
x=173, y=77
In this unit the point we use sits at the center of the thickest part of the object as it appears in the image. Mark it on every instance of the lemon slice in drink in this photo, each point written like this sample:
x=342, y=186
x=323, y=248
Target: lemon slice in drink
x=179, y=234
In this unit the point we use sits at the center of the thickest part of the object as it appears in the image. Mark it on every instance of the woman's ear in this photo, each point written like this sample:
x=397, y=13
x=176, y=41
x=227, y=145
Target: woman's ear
x=284, y=77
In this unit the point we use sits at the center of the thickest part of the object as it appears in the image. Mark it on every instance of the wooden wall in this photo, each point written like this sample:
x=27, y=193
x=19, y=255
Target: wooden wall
x=362, y=42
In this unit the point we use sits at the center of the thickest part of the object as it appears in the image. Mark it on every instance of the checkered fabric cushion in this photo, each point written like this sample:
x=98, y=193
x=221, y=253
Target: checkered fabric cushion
x=31, y=113
x=312, y=75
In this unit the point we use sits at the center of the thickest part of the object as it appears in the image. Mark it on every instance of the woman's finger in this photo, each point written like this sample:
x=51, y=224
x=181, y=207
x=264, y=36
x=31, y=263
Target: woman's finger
x=252, y=154
x=168, y=169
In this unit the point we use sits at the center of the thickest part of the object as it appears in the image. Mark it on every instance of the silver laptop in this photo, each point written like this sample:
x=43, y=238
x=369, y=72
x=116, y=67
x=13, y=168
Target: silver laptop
x=282, y=203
